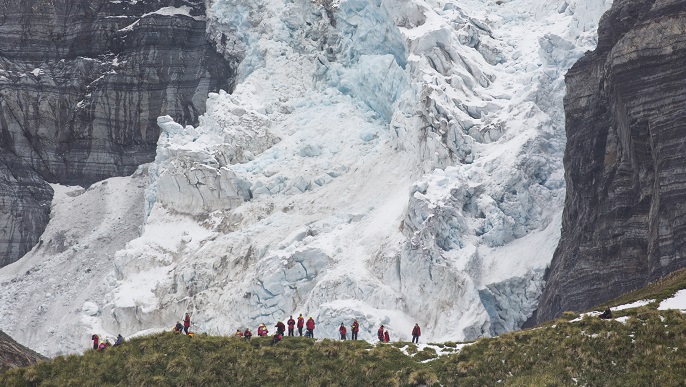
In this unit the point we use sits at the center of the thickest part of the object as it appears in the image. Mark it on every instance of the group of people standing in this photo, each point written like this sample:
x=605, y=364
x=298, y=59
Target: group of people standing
x=262, y=330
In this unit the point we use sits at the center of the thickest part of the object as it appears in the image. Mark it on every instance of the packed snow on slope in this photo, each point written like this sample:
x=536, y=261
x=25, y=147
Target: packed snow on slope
x=397, y=162
x=678, y=301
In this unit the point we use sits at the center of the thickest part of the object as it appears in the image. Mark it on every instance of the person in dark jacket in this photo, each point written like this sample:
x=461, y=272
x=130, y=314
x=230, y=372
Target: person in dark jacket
x=379, y=334
x=416, y=332
x=178, y=328
x=280, y=328
x=310, y=326
x=120, y=340
x=301, y=324
x=354, y=329
x=343, y=331
x=247, y=334
x=291, y=326
x=607, y=314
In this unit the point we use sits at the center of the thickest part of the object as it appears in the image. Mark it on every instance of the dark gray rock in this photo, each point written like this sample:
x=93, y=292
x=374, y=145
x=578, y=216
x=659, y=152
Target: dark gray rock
x=624, y=221
x=81, y=86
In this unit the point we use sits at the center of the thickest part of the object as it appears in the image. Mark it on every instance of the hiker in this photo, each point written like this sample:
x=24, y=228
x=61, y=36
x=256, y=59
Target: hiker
x=607, y=314
x=238, y=333
x=247, y=334
x=379, y=334
x=386, y=337
x=103, y=344
x=277, y=337
x=301, y=323
x=307, y=334
x=310, y=326
x=262, y=331
x=178, y=327
x=291, y=326
x=416, y=332
x=354, y=329
x=96, y=340
x=120, y=340
x=280, y=328
x=186, y=323
x=342, y=331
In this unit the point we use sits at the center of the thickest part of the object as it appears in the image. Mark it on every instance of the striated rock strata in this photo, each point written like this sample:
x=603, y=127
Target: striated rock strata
x=13, y=354
x=624, y=221
x=81, y=86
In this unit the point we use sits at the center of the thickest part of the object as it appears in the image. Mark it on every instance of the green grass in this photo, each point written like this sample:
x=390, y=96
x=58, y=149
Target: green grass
x=647, y=350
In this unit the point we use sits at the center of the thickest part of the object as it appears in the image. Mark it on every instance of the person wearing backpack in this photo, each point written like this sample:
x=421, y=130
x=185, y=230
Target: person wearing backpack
x=186, y=323
x=310, y=326
x=343, y=331
x=416, y=332
x=291, y=326
x=301, y=324
x=354, y=329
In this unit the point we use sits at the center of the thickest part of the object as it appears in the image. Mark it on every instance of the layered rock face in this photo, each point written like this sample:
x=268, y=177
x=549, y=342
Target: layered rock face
x=13, y=354
x=624, y=222
x=81, y=86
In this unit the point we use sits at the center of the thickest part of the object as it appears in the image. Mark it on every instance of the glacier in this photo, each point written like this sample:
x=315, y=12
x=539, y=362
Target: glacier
x=397, y=162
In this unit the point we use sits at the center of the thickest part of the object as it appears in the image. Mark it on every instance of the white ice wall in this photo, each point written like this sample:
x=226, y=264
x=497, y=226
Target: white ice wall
x=391, y=161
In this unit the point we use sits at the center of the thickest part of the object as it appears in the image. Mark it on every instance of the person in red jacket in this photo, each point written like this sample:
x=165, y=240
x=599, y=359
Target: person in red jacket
x=186, y=323
x=354, y=329
x=343, y=331
x=238, y=333
x=310, y=326
x=416, y=332
x=262, y=331
x=96, y=341
x=386, y=337
x=291, y=326
x=301, y=324
x=379, y=334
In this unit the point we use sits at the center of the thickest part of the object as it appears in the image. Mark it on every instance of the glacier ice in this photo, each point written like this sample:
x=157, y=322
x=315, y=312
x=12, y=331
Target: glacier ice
x=393, y=161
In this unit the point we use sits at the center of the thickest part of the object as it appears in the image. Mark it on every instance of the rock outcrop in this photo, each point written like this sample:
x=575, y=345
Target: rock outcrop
x=81, y=86
x=13, y=354
x=624, y=221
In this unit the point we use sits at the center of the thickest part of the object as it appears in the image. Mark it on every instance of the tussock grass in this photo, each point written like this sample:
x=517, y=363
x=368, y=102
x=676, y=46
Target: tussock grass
x=646, y=350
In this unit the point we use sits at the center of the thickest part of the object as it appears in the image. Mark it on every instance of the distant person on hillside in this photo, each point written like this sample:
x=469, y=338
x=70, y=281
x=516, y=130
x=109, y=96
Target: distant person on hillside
x=277, y=337
x=280, y=328
x=178, y=328
x=301, y=324
x=291, y=326
x=607, y=314
x=310, y=326
x=354, y=329
x=379, y=333
x=416, y=332
x=186, y=323
x=262, y=330
x=247, y=334
x=120, y=340
x=96, y=341
x=343, y=331
x=238, y=333
x=386, y=337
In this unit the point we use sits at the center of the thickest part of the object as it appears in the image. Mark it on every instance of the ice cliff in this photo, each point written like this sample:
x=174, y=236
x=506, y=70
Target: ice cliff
x=390, y=161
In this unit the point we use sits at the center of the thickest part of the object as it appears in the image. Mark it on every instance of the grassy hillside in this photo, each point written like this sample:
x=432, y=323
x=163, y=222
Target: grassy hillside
x=649, y=348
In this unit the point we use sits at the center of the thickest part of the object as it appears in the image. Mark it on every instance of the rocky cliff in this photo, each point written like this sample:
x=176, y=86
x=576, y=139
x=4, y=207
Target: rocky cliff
x=81, y=86
x=624, y=221
x=13, y=354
